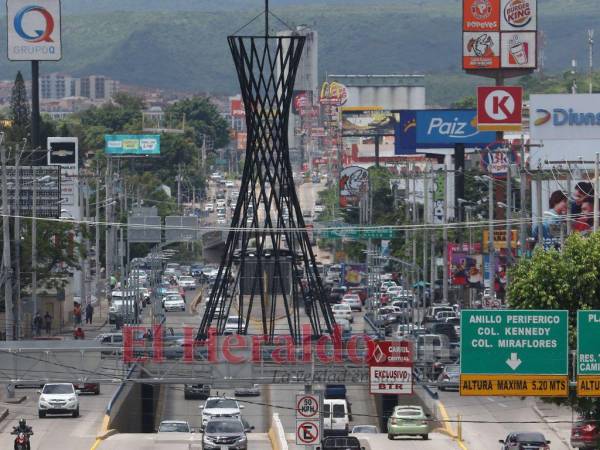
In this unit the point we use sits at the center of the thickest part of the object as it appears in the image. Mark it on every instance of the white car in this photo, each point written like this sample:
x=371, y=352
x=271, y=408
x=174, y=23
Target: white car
x=231, y=326
x=209, y=207
x=220, y=406
x=174, y=303
x=319, y=208
x=221, y=203
x=187, y=282
x=352, y=300
x=221, y=221
x=174, y=426
x=229, y=184
x=58, y=398
x=342, y=311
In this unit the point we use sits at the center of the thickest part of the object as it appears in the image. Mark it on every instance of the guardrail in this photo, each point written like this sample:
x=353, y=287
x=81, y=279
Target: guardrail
x=419, y=377
x=117, y=393
x=375, y=329
x=277, y=434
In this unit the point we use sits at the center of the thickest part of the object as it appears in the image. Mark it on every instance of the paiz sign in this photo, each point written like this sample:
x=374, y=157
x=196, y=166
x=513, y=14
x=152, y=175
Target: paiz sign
x=34, y=30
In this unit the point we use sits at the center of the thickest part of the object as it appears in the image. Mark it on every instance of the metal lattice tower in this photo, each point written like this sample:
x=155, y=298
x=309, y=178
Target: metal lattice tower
x=268, y=271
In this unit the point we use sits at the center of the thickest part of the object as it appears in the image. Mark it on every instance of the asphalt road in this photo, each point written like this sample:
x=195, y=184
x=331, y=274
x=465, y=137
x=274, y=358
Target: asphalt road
x=58, y=432
x=496, y=417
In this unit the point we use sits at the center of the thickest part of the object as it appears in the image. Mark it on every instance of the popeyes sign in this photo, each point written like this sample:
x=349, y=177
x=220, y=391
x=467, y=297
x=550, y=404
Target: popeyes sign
x=500, y=34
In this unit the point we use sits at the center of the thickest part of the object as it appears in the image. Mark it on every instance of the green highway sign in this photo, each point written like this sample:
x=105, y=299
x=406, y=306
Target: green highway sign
x=588, y=344
x=514, y=342
x=369, y=233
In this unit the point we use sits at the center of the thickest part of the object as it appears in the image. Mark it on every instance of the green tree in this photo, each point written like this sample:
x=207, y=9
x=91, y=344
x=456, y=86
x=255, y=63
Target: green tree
x=19, y=112
x=202, y=116
x=567, y=280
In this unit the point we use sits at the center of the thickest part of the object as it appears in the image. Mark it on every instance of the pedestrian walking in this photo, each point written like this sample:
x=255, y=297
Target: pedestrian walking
x=48, y=323
x=37, y=324
x=89, y=313
x=77, y=314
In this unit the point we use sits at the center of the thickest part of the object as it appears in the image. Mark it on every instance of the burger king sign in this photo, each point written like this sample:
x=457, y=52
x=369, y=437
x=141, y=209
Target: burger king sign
x=518, y=15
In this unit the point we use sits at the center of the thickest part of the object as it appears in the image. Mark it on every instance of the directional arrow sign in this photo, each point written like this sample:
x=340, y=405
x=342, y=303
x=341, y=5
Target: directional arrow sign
x=514, y=352
x=514, y=361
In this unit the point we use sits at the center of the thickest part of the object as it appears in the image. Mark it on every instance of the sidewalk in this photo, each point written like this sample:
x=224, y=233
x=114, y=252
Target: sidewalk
x=551, y=414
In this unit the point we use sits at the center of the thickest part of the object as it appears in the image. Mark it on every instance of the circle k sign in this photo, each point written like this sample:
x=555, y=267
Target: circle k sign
x=499, y=108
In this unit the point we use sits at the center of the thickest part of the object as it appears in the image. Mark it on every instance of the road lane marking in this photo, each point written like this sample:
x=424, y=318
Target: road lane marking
x=103, y=430
x=447, y=428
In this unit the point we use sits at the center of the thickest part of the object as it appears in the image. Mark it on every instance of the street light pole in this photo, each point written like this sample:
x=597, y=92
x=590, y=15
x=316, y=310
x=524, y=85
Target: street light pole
x=34, y=255
x=492, y=265
x=6, y=260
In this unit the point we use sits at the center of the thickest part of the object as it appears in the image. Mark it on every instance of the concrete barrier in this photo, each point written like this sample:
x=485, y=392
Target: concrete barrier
x=277, y=434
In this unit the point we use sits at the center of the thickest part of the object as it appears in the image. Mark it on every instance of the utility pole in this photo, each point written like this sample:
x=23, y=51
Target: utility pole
x=596, y=187
x=492, y=265
x=6, y=260
x=425, y=222
x=97, y=236
x=17, y=237
x=445, y=238
x=34, y=298
x=107, y=231
x=591, y=57
x=509, y=215
x=523, y=199
x=538, y=191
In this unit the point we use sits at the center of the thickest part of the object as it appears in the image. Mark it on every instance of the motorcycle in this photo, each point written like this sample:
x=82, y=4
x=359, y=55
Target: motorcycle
x=22, y=440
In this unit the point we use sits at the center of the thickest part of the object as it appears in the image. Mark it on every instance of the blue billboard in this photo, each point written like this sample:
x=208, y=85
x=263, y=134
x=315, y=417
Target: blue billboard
x=406, y=133
x=444, y=128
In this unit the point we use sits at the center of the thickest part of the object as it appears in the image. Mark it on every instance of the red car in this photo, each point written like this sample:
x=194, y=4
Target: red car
x=585, y=435
x=88, y=388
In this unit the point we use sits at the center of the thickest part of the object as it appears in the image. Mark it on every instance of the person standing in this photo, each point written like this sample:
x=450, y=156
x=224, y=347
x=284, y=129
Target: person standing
x=37, y=324
x=89, y=313
x=77, y=313
x=48, y=323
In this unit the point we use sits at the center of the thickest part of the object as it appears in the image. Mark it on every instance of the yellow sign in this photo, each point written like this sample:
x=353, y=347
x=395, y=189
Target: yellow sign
x=500, y=239
x=588, y=386
x=514, y=385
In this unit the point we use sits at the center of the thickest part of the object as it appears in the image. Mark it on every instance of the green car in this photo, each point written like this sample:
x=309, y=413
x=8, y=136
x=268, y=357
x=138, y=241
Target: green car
x=408, y=421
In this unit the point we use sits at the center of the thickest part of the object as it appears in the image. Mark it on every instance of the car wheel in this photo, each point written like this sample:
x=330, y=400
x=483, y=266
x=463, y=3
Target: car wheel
x=186, y=396
x=390, y=437
x=76, y=413
x=41, y=414
x=425, y=437
x=97, y=391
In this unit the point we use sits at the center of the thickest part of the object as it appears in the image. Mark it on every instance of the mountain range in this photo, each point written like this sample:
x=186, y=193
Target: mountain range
x=181, y=44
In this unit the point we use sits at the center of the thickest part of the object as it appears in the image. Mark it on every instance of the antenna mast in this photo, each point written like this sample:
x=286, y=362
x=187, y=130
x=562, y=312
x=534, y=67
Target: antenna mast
x=266, y=18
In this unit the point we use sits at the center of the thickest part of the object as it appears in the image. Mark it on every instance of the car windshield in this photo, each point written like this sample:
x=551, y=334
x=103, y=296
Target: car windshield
x=58, y=389
x=233, y=320
x=531, y=437
x=408, y=412
x=179, y=427
x=221, y=403
x=222, y=426
x=453, y=369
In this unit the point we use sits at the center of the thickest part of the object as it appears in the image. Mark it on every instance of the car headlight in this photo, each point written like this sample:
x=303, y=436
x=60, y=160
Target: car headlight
x=72, y=399
x=209, y=438
x=241, y=439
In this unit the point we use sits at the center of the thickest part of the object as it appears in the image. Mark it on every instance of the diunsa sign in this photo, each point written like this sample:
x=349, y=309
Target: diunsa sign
x=565, y=116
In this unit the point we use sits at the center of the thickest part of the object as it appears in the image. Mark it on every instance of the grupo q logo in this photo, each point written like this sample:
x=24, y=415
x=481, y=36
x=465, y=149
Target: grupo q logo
x=34, y=36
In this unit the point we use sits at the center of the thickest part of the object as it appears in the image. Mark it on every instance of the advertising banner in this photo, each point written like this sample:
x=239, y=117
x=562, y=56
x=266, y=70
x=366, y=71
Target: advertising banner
x=406, y=133
x=465, y=269
x=496, y=157
x=354, y=274
x=481, y=15
x=34, y=30
x=499, y=108
x=369, y=122
x=499, y=34
x=518, y=15
x=132, y=145
x=518, y=50
x=237, y=108
x=444, y=128
x=565, y=116
x=500, y=239
x=333, y=93
x=301, y=100
x=353, y=181
x=481, y=50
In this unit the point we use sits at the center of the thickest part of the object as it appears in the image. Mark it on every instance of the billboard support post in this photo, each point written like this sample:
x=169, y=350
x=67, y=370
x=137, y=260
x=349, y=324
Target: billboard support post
x=492, y=264
x=445, y=238
x=597, y=185
x=35, y=104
